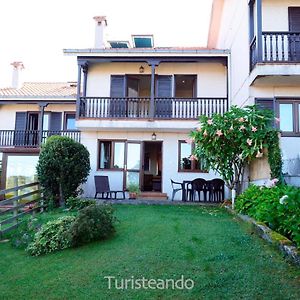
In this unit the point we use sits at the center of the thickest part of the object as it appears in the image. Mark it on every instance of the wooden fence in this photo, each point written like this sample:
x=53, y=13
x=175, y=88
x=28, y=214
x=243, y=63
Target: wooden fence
x=12, y=210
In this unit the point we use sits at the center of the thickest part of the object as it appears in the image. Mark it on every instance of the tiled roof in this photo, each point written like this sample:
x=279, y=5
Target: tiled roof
x=42, y=89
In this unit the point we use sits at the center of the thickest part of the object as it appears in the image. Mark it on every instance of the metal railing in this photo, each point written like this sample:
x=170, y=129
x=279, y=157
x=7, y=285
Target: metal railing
x=164, y=108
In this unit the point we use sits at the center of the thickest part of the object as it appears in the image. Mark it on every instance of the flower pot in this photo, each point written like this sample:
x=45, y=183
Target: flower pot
x=132, y=195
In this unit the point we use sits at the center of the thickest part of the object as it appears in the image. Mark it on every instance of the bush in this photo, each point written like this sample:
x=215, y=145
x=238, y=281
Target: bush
x=63, y=165
x=77, y=203
x=53, y=236
x=95, y=222
x=278, y=207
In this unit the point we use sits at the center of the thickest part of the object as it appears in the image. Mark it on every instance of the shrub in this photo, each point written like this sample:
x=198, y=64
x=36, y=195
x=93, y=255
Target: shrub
x=63, y=165
x=278, y=207
x=53, y=236
x=95, y=222
x=77, y=203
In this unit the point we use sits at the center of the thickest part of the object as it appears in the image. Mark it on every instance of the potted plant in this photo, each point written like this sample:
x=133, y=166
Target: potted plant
x=133, y=190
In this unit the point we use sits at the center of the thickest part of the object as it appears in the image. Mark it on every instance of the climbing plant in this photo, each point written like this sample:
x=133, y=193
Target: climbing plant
x=227, y=143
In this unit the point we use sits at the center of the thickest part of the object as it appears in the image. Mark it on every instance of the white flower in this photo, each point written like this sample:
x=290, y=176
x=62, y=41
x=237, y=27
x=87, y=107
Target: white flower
x=283, y=198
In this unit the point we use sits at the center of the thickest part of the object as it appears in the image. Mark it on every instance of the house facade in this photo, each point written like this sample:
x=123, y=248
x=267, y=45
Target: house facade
x=264, y=40
x=137, y=106
x=29, y=113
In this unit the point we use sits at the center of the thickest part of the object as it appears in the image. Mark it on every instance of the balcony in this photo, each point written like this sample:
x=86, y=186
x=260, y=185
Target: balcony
x=277, y=47
x=31, y=138
x=140, y=108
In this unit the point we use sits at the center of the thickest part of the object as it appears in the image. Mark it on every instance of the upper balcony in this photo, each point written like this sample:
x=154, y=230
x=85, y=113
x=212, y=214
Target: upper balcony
x=274, y=45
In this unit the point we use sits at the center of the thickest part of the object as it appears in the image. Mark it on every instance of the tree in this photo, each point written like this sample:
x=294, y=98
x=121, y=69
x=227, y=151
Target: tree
x=227, y=144
x=63, y=165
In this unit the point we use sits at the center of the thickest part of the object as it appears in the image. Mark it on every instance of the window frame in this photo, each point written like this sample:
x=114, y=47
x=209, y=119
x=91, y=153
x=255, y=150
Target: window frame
x=295, y=113
x=193, y=164
x=65, y=120
x=112, y=153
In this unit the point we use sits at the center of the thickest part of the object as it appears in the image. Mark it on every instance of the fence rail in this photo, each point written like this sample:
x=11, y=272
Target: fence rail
x=31, y=138
x=14, y=208
x=164, y=108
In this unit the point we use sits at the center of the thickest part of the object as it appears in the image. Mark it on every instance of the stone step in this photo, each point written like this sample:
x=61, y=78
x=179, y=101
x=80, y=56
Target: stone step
x=152, y=196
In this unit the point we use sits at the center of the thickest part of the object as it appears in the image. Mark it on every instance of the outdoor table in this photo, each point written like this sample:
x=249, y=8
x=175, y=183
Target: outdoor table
x=184, y=190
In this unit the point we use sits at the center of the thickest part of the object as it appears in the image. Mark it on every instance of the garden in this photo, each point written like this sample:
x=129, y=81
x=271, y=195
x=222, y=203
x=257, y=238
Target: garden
x=69, y=250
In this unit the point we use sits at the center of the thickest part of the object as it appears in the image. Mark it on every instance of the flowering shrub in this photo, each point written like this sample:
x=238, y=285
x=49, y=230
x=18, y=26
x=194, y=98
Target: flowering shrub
x=277, y=206
x=226, y=144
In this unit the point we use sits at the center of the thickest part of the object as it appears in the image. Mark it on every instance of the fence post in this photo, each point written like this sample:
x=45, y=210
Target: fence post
x=15, y=202
x=42, y=199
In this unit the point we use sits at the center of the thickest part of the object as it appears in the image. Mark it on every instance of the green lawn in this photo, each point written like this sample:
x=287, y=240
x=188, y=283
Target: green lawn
x=224, y=258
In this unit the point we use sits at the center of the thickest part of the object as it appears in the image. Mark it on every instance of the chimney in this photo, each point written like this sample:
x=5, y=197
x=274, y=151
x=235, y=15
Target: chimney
x=16, y=75
x=101, y=24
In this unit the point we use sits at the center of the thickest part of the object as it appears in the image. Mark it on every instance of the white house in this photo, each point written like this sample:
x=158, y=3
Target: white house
x=263, y=37
x=29, y=113
x=138, y=104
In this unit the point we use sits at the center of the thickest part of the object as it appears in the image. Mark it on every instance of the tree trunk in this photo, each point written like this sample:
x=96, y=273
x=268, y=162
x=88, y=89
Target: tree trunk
x=233, y=195
x=61, y=196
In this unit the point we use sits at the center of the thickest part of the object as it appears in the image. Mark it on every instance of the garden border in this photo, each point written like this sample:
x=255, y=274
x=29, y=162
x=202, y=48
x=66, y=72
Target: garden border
x=276, y=239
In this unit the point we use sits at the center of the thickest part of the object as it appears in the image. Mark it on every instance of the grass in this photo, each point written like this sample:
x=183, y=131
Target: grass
x=223, y=257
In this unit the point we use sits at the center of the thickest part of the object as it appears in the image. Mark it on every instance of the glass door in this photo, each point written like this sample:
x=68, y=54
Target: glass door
x=133, y=163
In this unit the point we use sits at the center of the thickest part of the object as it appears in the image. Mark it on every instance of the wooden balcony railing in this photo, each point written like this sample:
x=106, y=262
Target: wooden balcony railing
x=31, y=138
x=280, y=46
x=164, y=108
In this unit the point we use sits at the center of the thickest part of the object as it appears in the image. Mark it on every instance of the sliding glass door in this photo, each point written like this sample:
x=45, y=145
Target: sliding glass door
x=133, y=163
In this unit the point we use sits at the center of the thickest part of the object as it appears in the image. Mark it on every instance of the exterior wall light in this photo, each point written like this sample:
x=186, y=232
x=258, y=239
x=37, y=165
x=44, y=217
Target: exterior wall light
x=153, y=137
x=141, y=69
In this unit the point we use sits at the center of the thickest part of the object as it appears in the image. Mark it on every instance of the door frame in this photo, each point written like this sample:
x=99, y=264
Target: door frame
x=143, y=160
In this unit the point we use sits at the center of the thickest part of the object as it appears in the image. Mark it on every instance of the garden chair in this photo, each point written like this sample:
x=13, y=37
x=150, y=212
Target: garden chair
x=102, y=187
x=176, y=187
x=216, y=190
x=198, y=185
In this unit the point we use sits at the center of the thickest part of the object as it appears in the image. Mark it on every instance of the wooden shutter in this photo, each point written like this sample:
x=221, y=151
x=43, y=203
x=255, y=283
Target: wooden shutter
x=55, y=121
x=117, y=94
x=294, y=40
x=20, y=127
x=265, y=104
x=163, y=107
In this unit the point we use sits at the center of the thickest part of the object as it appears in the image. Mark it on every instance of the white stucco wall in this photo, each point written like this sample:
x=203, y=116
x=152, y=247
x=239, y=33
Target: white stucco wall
x=169, y=159
x=211, y=77
x=8, y=112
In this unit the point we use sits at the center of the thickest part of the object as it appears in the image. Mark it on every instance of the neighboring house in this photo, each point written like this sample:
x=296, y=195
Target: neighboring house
x=137, y=106
x=29, y=113
x=264, y=40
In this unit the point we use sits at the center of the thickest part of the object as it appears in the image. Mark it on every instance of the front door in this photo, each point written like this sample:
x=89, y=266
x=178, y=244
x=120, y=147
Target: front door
x=133, y=164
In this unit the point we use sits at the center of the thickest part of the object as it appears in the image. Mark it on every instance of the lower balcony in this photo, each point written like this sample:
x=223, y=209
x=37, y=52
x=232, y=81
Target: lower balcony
x=145, y=108
x=32, y=138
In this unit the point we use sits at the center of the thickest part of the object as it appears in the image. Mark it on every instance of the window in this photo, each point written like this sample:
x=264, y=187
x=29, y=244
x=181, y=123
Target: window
x=70, y=121
x=185, y=163
x=289, y=114
x=111, y=154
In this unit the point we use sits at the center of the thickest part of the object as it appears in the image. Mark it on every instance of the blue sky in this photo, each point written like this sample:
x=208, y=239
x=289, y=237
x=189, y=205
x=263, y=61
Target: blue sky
x=35, y=31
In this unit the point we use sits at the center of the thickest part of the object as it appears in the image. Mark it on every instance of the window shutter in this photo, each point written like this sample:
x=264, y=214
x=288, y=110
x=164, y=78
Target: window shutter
x=20, y=121
x=265, y=104
x=55, y=121
x=163, y=107
x=294, y=18
x=117, y=90
x=20, y=127
x=294, y=40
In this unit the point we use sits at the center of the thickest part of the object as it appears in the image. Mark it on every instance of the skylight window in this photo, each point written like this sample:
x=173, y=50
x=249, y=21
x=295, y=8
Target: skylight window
x=143, y=41
x=119, y=44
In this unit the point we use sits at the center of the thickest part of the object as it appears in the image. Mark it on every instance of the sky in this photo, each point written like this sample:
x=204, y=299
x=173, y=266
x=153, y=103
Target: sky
x=36, y=31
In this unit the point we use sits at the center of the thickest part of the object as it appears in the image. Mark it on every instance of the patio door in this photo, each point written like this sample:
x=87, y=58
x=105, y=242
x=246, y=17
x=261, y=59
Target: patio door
x=133, y=165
